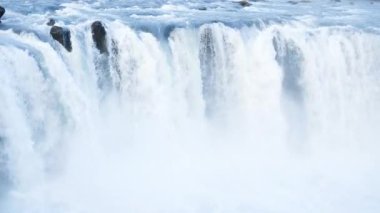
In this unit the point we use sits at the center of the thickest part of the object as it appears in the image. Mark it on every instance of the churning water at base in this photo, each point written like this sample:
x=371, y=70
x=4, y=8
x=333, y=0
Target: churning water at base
x=269, y=116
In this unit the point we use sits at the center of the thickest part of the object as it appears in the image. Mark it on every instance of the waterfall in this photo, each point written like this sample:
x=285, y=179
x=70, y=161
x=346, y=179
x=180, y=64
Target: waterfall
x=269, y=117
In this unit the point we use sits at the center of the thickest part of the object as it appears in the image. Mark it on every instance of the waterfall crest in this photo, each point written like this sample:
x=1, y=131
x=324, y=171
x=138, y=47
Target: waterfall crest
x=210, y=118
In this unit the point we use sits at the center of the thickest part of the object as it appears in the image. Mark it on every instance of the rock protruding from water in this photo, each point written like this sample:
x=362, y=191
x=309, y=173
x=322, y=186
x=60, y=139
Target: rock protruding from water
x=2, y=11
x=99, y=36
x=51, y=22
x=244, y=3
x=63, y=36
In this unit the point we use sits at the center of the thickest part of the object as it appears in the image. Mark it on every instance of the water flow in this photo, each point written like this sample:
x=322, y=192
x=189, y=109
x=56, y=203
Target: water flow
x=275, y=118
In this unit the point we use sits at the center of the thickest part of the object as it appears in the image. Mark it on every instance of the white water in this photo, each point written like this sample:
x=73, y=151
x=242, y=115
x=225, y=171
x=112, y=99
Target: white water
x=204, y=121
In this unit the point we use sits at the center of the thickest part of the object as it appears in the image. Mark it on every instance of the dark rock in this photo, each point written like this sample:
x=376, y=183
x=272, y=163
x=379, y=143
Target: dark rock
x=202, y=8
x=51, y=22
x=2, y=11
x=63, y=36
x=244, y=3
x=99, y=36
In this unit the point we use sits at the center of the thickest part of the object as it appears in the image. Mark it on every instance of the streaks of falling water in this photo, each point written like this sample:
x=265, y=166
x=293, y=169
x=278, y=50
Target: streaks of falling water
x=200, y=121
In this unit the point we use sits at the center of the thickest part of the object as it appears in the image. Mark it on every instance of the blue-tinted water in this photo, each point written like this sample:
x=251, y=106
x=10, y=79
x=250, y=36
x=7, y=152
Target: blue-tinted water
x=193, y=106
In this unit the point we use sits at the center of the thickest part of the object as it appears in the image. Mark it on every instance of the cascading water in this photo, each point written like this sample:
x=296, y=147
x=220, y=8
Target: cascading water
x=189, y=113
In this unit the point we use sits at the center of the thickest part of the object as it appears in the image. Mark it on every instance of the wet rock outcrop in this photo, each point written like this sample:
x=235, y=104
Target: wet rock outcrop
x=63, y=36
x=2, y=11
x=51, y=22
x=99, y=37
x=244, y=3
